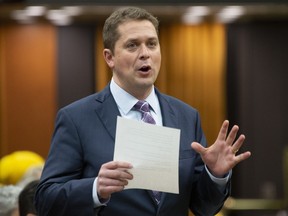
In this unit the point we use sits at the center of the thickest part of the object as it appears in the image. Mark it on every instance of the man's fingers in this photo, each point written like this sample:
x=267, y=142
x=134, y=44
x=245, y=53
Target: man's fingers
x=117, y=164
x=112, y=182
x=115, y=174
x=113, y=177
x=232, y=135
x=242, y=156
x=198, y=148
x=223, y=130
x=237, y=145
x=105, y=192
x=230, y=138
x=116, y=170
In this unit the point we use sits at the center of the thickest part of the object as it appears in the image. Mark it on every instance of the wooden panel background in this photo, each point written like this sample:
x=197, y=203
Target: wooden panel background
x=27, y=58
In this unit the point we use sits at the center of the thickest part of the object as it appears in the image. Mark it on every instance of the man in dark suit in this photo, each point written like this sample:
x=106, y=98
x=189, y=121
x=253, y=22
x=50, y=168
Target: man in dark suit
x=80, y=176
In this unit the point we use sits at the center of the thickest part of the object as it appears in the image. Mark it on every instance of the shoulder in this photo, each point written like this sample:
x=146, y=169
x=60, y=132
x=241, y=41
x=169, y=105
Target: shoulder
x=175, y=102
x=181, y=110
x=89, y=101
x=85, y=106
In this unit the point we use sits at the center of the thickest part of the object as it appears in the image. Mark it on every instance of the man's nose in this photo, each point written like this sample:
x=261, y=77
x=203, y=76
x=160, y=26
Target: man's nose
x=144, y=52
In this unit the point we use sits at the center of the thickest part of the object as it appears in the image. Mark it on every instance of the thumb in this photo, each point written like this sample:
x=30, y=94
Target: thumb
x=198, y=148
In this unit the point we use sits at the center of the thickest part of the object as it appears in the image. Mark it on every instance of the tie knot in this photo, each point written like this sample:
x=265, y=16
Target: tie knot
x=142, y=106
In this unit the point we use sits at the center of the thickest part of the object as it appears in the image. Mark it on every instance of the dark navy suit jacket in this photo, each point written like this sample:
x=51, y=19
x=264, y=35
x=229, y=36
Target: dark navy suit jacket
x=84, y=139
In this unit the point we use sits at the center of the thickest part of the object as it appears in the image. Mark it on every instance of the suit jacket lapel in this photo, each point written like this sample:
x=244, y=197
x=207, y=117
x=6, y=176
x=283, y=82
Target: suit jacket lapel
x=106, y=109
x=169, y=117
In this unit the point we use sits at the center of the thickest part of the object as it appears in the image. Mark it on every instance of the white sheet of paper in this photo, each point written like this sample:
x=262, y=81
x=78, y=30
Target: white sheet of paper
x=152, y=150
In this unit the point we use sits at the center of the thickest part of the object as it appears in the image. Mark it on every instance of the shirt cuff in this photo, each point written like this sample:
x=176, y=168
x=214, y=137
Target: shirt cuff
x=221, y=182
x=97, y=202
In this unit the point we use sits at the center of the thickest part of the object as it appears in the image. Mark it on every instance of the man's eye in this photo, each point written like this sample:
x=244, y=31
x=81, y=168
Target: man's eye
x=131, y=45
x=152, y=44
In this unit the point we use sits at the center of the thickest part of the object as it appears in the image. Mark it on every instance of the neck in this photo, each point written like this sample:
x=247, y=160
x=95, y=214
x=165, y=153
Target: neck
x=141, y=94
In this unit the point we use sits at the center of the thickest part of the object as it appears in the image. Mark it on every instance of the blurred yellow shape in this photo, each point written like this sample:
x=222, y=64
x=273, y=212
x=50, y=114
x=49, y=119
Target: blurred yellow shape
x=13, y=166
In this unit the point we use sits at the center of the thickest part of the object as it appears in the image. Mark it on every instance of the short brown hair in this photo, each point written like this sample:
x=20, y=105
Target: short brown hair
x=110, y=33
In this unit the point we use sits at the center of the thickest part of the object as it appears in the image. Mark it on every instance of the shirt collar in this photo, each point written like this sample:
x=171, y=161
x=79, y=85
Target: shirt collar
x=126, y=101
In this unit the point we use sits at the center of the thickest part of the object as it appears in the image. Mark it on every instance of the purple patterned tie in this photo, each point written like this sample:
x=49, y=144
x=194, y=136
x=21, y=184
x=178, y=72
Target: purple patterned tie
x=143, y=107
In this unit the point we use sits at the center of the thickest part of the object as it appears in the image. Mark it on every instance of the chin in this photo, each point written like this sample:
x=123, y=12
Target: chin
x=147, y=83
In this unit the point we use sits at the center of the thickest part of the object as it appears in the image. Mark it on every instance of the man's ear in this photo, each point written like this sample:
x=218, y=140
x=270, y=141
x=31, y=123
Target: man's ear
x=108, y=56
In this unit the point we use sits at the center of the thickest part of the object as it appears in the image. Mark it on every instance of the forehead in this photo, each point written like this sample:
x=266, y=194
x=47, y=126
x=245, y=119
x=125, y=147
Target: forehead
x=133, y=29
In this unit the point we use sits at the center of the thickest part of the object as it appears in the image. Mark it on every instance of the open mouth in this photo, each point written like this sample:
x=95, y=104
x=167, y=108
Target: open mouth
x=145, y=68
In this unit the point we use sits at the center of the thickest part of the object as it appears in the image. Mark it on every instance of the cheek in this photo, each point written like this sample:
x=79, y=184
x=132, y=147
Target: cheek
x=158, y=60
x=157, y=54
x=125, y=62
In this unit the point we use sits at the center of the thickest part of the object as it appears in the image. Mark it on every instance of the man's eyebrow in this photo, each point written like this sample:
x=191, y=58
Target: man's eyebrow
x=137, y=39
x=132, y=40
x=153, y=38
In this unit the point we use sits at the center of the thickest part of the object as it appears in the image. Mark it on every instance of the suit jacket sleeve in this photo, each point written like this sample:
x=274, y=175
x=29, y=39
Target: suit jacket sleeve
x=206, y=197
x=62, y=190
x=196, y=189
